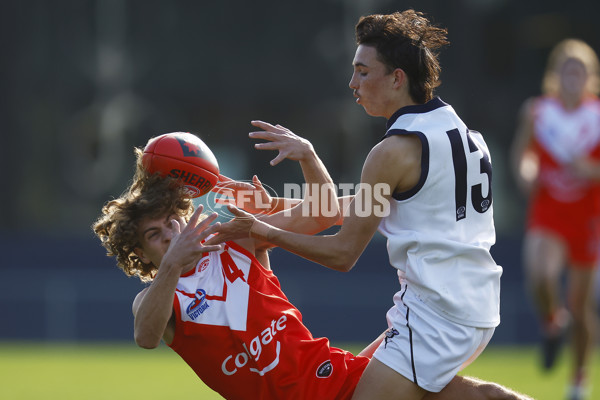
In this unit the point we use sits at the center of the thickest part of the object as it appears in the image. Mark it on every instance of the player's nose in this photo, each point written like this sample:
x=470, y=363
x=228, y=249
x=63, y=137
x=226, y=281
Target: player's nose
x=168, y=234
x=352, y=84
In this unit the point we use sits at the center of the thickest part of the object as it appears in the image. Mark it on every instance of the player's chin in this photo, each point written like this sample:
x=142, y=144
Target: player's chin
x=366, y=107
x=371, y=112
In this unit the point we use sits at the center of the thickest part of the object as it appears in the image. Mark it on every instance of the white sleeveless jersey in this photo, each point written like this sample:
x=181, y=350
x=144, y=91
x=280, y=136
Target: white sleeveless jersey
x=440, y=232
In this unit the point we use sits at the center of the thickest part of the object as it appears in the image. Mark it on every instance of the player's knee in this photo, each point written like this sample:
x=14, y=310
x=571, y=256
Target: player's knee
x=493, y=391
x=496, y=392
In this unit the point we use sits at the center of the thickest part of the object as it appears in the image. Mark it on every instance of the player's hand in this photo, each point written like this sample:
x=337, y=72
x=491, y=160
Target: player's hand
x=238, y=228
x=251, y=197
x=283, y=140
x=186, y=247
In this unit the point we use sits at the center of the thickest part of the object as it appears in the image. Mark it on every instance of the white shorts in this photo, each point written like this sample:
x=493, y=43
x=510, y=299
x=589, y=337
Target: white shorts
x=423, y=346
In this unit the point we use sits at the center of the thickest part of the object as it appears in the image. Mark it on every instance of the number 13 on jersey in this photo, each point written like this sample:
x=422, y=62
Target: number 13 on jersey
x=463, y=163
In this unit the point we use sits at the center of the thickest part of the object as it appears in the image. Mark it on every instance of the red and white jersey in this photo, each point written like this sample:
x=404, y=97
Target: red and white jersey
x=237, y=330
x=561, y=137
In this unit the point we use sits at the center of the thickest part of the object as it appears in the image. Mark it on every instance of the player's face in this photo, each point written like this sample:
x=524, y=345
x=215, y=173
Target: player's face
x=155, y=235
x=372, y=83
x=573, y=78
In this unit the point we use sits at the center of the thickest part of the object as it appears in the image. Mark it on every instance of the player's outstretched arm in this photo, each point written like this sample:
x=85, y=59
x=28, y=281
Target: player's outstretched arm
x=340, y=251
x=319, y=208
x=153, y=307
x=250, y=197
x=255, y=199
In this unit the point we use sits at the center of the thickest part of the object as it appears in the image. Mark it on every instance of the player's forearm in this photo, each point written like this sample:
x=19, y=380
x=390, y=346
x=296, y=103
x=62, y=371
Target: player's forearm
x=156, y=307
x=282, y=203
x=314, y=170
x=320, y=196
x=330, y=251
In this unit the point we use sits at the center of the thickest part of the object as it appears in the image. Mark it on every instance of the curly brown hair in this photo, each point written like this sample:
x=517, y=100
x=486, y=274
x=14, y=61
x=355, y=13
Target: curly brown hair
x=148, y=196
x=406, y=40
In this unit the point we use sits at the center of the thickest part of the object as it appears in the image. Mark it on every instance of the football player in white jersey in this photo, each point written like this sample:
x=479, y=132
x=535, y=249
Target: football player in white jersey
x=153, y=235
x=427, y=187
x=556, y=161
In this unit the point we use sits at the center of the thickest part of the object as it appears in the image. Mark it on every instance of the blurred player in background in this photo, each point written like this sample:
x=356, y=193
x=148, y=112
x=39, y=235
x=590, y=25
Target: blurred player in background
x=222, y=308
x=556, y=160
x=436, y=213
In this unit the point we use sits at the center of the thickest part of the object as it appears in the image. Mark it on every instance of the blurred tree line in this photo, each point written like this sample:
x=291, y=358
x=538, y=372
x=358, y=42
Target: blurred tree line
x=84, y=81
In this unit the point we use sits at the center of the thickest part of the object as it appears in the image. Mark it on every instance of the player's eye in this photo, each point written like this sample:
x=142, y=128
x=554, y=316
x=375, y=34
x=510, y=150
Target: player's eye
x=360, y=70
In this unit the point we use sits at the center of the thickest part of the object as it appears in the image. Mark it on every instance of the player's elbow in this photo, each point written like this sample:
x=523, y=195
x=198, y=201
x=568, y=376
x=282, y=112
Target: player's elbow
x=147, y=344
x=146, y=341
x=327, y=221
x=345, y=266
x=342, y=267
x=343, y=259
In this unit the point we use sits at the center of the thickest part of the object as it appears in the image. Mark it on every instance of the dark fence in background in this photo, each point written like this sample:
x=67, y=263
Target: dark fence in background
x=65, y=289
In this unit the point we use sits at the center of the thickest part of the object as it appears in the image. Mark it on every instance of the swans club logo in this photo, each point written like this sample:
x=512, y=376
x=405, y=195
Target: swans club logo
x=198, y=305
x=325, y=369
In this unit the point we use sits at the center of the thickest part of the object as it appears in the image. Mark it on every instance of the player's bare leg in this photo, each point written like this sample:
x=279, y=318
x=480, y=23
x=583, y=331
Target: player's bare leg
x=370, y=349
x=581, y=306
x=468, y=388
x=544, y=259
x=459, y=388
x=380, y=382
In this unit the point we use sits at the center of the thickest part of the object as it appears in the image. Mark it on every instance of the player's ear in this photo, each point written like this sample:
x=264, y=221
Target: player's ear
x=400, y=77
x=142, y=255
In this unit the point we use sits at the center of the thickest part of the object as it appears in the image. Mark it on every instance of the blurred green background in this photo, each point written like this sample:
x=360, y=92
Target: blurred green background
x=83, y=81
x=103, y=371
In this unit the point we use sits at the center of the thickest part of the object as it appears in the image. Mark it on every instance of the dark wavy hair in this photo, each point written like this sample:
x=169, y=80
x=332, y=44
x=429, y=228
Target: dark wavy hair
x=408, y=41
x=148, y=196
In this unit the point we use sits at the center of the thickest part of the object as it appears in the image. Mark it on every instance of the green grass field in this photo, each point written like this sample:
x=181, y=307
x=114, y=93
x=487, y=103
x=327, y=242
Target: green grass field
x=31, y=371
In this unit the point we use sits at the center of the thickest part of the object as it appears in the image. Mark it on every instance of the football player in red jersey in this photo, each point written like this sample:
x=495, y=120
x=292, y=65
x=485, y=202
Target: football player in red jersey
x=556, y=160
x=221, y=307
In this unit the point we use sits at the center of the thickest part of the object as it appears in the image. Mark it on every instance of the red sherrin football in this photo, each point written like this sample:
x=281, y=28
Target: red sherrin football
x=184, y=156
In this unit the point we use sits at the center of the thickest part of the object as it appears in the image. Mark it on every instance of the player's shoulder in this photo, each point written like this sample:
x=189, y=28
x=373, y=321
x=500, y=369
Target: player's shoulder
x=393, y=155
x=394, y=145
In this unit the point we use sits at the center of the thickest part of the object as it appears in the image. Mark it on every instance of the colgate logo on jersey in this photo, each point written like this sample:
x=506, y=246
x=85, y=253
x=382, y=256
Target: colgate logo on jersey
x=198, y=305
x=233, y=362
